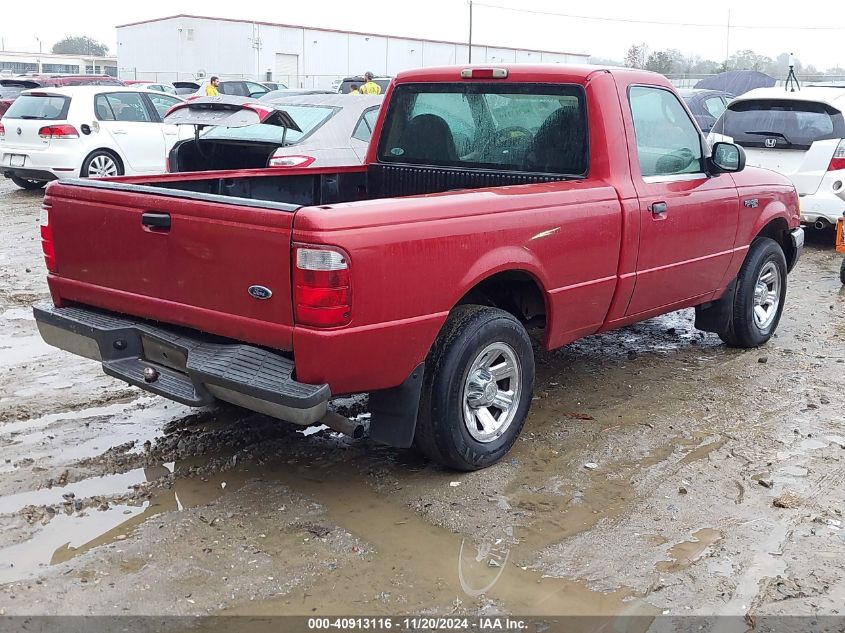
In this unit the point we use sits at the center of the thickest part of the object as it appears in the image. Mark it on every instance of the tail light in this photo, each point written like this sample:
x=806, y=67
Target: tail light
x=322, y=292
x=291, y=161
x=47, y=245
x=484, y=73
x=58, y=131
x=2, y=130
x=838, y=160
x=167, y=163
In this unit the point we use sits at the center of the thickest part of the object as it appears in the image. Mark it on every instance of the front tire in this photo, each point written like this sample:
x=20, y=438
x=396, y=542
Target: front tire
x=479, y=378
x=759, y=298
x=26, y=183
x=101, y=164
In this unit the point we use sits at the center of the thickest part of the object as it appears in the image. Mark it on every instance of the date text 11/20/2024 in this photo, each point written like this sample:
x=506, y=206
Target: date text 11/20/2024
x=417, y=623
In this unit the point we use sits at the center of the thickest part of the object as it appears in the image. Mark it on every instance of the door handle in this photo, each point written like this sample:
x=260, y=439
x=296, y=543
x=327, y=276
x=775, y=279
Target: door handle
x=156, y=221
x=658, y=207
x=119, y=131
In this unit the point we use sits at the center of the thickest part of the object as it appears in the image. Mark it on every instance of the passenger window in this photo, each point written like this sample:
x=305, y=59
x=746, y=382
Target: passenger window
x=364, y=129
x=162, y=104
x=103, y=109
x=237, y=88
x=128, y=106
x=715, y=106
x=667, y=141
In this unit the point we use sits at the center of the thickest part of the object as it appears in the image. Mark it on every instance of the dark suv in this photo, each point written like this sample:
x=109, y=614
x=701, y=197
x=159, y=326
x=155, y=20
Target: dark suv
x=10, y=88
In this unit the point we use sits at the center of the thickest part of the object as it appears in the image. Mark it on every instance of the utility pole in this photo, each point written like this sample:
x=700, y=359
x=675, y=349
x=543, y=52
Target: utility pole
x=728, y=41
x=470, y=31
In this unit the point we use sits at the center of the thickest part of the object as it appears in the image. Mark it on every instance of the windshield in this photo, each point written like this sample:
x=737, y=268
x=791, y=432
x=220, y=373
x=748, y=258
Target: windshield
x=309, y=119
x=47, y=108
x=784, y=123
x=515, y=127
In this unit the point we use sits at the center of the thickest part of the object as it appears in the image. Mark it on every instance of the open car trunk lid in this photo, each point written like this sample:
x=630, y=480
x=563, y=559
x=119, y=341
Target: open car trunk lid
x=178, y=257
x=228, y=111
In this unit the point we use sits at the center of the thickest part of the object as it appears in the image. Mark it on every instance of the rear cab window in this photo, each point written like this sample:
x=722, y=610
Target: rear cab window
x=784, y=123
x=535, y=128
x=44, y=107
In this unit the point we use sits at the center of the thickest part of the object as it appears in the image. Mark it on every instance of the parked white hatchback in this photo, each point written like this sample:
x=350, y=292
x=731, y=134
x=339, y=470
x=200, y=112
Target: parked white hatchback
x=799, y=134
x=87, y=131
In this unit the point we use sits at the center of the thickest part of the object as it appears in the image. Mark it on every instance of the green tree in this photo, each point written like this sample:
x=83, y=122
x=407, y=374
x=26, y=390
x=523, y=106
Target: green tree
x=80, y=45
x=636, y=56
x=659, y=62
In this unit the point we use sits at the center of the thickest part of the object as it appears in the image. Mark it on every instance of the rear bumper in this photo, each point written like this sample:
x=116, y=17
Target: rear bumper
x=825, y=204
x=185, y=369
x=29, y=174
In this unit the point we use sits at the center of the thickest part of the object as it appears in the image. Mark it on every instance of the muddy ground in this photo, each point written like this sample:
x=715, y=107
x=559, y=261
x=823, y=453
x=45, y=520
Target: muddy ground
x=644, y=483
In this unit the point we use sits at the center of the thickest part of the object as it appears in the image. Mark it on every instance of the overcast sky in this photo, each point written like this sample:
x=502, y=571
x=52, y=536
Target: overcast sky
x=776, y=23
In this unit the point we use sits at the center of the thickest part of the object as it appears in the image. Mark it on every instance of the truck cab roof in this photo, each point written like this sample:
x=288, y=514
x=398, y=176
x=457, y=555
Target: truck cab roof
x=563, y=73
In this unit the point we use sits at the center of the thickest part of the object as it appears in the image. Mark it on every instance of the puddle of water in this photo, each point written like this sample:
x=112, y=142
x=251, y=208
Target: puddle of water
x=67, y=536
x=58, y=436
x=20, y=350
x=686, y=553
x=18, y=314
x=704, y=451
x=424, y=566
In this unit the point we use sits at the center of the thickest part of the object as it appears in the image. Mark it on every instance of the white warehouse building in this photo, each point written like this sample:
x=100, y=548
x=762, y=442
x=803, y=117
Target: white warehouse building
x=189, y=47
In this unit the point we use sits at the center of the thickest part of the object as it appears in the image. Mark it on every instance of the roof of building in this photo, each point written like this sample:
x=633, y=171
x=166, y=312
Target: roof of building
x=315, y=28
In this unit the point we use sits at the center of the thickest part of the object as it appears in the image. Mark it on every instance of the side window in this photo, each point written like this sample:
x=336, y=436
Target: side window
x=128, y=106
x=252, y=88
x=715, y=106
x=103, y=109
x=667, y=141
x=364, y=129
x=162, y=104
x=237, y=88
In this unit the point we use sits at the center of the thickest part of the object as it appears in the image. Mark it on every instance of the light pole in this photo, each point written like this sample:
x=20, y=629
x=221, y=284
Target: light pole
x=470, y=31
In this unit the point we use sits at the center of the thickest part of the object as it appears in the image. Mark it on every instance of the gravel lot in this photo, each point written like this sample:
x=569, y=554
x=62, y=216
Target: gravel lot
x=646, y=481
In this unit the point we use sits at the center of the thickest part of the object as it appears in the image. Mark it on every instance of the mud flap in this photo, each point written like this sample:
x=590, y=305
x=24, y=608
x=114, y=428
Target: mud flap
x=716, y=315
x=394, y=411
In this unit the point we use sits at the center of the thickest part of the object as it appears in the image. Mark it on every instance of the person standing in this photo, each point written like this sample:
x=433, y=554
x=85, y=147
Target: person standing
x=370, y=87
x=354, y=89
x=211, y=89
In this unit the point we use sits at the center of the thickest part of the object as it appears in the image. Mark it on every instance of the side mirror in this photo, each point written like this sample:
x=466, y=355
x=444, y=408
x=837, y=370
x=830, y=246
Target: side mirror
x=727, y=158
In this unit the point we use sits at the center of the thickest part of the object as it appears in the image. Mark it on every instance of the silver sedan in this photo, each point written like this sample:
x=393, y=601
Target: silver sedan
x=334, y=131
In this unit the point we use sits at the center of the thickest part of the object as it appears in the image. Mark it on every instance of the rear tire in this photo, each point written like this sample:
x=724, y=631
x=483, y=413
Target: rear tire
x=759, y=298
x=479, y=379
x=26, y=183
x=842, y=272
x=101, y=164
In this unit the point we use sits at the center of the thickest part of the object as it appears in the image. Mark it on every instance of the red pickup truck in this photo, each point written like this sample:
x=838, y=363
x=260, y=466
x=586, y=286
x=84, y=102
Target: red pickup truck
x=573, y=200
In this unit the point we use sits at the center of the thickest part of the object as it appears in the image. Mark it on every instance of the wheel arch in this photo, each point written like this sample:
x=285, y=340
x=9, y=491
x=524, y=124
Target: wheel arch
x=109, y=150
x=777, y=229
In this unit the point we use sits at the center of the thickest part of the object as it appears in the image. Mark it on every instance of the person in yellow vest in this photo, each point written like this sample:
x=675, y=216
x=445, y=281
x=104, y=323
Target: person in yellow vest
x=354, y=89
x=371, y=87
x=211, y=88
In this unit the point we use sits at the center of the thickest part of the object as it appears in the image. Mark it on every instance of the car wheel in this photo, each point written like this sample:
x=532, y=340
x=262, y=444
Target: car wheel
x=479, y=378
x=842, y=272
x=760, y=293
x=26, y=183
x=101, y=164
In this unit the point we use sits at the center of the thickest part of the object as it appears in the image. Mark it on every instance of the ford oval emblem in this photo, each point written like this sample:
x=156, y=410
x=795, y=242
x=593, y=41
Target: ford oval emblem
x=260, y=292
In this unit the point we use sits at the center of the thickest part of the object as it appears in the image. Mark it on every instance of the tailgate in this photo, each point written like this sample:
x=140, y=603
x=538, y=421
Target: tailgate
x=806, y=168
x=221, y=267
